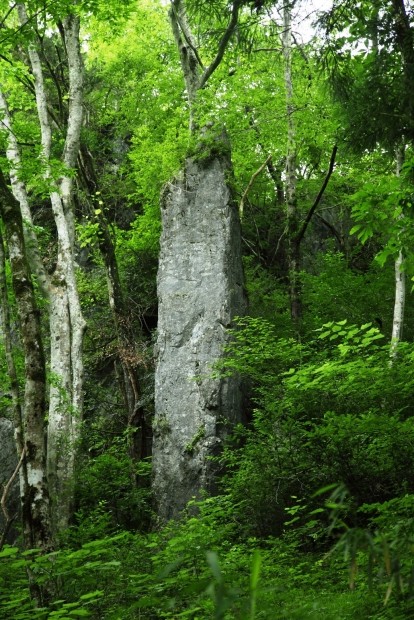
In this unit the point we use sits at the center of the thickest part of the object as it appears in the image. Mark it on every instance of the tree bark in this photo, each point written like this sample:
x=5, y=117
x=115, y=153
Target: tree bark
x=291, y=178
x=66, y=322
x=20, y=193
x=399, y=270
x=195, y=74
x=35, y=498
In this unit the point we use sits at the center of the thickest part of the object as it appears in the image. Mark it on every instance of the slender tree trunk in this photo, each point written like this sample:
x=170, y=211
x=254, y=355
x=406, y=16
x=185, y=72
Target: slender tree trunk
x=35, y=499
x=129, y=342
x=127, y=345
x=399, y=303
x=20, y=193
x=291, y=179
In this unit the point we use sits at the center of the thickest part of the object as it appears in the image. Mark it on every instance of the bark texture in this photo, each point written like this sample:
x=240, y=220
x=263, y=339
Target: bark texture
x=66, y=322
x=35, y=499
x=200, y=289
x=8, y=462
x=399, y=300
x=290, y=171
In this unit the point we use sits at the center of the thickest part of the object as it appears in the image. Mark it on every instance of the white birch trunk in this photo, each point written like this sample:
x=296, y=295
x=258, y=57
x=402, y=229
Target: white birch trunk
x=34, y=491
x=70, y=155
x=399, y=302
x=20, y=193
x=66, y=322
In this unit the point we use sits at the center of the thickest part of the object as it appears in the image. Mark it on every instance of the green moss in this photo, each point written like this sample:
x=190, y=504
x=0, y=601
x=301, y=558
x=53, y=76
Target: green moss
x=209, y=144
x=191, y=446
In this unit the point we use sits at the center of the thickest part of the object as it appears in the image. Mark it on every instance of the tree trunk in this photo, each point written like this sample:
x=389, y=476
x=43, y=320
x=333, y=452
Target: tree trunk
x=66, y=322
x=20, y=193
x=35, y=499
x=8, y=463
x=291, y=180
x=399, y=270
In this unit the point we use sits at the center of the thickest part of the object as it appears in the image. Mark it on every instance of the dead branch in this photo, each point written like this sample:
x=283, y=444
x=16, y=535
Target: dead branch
x=8, y=519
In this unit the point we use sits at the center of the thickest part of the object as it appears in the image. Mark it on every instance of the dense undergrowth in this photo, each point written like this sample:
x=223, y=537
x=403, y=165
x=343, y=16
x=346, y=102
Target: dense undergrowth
x=314, y=519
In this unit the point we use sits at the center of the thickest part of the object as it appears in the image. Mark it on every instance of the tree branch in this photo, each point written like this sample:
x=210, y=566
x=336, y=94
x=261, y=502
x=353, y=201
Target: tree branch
x=223, y=43
x=298, y=238
x=333, y=230
x=249, y=186
x=186, y=34
x=9, y=520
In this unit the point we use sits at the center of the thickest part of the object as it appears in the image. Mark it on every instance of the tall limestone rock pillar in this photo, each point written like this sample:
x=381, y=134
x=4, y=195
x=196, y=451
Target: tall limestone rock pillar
x=200, y=291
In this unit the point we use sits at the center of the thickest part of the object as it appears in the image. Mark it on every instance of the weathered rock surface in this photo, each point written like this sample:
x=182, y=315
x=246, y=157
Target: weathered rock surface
x=200, y=291
x=8, y=462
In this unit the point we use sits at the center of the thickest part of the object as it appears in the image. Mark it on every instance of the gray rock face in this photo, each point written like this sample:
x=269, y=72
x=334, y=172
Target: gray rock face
x=8, y=462
x=200, y=289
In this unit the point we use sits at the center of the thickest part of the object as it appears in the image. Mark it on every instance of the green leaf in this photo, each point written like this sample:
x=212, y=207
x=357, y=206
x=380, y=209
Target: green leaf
x=329, y=487
x=326, y=334
x=91, y=595
x=212, y=560
x=8, y=551
x=255, y=570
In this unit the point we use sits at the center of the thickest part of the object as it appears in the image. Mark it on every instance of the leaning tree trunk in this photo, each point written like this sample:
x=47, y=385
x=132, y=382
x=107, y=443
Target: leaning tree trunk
x=200, y=291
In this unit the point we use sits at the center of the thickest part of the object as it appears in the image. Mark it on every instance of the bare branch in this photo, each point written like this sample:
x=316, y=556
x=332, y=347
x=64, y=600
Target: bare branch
x=332, y=228
x=268, y=49
x=249, y=186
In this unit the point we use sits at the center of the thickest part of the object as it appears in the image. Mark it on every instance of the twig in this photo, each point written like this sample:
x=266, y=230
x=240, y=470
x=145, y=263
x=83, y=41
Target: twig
x=249, y=186
x=9, y=520
x=332, y=229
